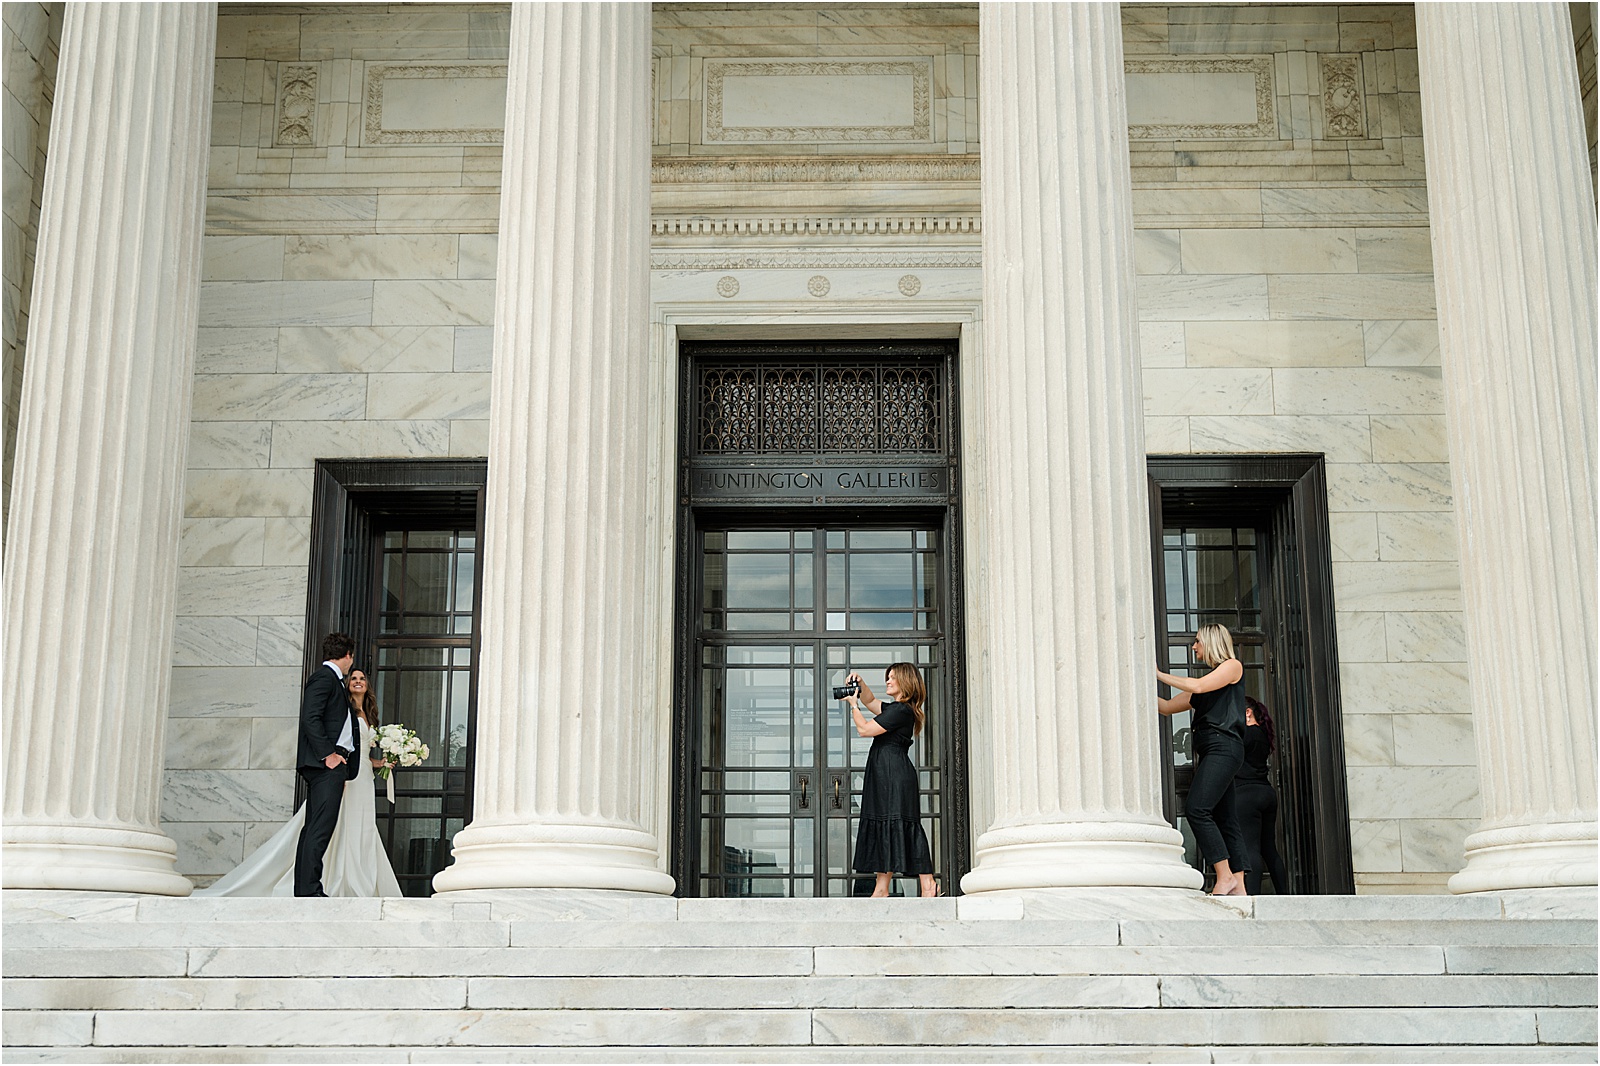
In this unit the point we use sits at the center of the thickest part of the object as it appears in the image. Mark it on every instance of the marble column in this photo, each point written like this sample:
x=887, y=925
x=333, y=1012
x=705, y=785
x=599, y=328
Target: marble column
x=566, y=747
x=1514, y=258
x=1069, y=691
x=91, y=560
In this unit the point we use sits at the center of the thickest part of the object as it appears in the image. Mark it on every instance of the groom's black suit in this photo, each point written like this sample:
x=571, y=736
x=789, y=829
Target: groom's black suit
x=324, y=710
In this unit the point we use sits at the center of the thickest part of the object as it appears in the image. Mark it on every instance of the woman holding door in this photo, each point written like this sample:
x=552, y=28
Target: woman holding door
x=1217, y=700
x=889, y=836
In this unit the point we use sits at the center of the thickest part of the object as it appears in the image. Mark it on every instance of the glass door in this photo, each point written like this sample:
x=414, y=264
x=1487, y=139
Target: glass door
x=423, y=678
x=1212, y=575
x=784, y=615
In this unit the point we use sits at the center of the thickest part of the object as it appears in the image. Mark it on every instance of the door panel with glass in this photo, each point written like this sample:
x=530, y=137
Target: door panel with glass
x=423, y=679
x=784, y=615
x=1212, y=575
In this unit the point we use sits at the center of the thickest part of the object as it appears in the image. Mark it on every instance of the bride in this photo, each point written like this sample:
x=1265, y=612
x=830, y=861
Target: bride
x=355, y=864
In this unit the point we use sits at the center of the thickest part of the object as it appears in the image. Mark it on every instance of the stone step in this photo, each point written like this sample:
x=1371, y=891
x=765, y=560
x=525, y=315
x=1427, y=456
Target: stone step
x=1026, y=977
x=255, y=932
x=1146, y=990
x=346, y=958
x=974, y=1053
x=857, y=1027
x=1132, y=905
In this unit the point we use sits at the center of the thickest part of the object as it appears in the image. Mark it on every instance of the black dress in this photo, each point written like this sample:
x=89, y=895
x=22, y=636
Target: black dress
x=889, y=836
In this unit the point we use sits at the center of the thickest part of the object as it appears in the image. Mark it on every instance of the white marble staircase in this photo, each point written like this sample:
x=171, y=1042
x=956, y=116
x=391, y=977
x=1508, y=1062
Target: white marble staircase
x=1125, y=977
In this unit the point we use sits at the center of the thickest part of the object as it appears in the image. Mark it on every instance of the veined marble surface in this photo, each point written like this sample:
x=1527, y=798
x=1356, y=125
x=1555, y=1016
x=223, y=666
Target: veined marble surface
x=1285, y=289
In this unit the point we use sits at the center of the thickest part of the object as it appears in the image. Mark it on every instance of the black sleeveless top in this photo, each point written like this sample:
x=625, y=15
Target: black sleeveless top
x=1221, y=711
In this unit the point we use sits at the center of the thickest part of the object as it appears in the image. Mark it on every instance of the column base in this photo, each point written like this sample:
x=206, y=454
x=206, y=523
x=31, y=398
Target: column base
x=77, y=858
x=1080, y=855
x=1552, y=855
x=571, y=855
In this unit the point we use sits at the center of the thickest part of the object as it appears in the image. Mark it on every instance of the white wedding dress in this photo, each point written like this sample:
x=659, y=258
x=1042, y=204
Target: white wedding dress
x=355, y=864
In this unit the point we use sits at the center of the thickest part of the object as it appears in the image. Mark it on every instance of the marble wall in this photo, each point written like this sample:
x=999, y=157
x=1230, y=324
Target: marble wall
x=31, y=39
x=1285, y=293
x=346, y=311
x=1286, y=304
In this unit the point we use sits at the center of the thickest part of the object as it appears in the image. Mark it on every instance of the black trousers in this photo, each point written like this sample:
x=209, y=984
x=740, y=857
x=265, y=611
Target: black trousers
x=1210, y=805
x=324, y=792
x=1256, y=803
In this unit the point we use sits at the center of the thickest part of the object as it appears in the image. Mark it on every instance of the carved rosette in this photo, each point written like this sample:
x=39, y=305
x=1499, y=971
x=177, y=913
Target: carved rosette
x=1344, y=106
x=297, y=106
x=910, y=285
x=727, y=286
x=818, y=285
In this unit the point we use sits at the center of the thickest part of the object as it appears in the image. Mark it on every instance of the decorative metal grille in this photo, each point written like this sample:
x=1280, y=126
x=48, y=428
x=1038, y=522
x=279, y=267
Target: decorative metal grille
x=820, y=408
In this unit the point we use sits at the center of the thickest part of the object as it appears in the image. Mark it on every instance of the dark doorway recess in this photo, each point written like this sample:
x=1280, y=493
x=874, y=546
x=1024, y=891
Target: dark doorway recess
x=394, y=551
x=819, y=531
x=1243, y=540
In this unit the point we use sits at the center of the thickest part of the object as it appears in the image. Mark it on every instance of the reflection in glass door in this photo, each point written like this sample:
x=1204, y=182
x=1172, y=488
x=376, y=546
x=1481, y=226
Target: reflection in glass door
x=784, y=615
x=423, y=679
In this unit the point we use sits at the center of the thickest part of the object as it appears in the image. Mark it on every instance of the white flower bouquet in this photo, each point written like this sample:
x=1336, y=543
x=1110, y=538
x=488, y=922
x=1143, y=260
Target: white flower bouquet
x=399, y=746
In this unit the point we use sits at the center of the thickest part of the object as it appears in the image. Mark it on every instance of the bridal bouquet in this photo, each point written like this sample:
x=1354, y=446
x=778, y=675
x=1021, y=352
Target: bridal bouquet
x=400, y=747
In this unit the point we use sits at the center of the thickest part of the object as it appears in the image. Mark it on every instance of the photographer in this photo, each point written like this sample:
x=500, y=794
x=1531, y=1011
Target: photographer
x=889, y=836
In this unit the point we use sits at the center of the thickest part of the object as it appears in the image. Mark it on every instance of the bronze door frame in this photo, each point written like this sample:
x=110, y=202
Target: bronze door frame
x=930, y=492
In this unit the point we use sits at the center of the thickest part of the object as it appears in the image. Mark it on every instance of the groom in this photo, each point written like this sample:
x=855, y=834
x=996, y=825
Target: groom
x=328, y=735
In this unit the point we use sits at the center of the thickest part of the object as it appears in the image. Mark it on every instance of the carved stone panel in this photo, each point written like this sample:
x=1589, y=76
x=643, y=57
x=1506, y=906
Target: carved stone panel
x=297, y=106
x=416, y=103
x=1201, y=98
x=818, y=101
x=1344, y=111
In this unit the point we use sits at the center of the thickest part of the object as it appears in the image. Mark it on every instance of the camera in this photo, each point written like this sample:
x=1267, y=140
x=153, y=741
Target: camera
x=850, y=689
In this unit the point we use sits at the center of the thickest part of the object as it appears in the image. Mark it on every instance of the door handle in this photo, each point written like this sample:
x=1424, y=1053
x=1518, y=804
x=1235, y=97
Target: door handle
x=837, y=783
x=805, y=800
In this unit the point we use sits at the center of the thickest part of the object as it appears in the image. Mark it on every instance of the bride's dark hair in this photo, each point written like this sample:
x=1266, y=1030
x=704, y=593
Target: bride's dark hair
x=367, y=705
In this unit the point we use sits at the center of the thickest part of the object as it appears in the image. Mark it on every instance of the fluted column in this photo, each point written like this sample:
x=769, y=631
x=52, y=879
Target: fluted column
x=566, y=746
x=1069, y=676
x=1514, y=259
x=91, y=564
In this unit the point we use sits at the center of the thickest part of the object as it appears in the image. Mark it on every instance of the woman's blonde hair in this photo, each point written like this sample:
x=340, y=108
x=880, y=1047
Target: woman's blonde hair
x=1216, y=644
x=913, y=693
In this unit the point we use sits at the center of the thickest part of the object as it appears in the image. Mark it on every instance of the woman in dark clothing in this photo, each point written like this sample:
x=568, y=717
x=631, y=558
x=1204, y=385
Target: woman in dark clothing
x=889, y=836
x=1217, y=700
x=1257, y=801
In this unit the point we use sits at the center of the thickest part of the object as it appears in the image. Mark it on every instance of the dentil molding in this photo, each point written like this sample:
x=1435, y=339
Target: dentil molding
x=815, y=259
x=776, y=225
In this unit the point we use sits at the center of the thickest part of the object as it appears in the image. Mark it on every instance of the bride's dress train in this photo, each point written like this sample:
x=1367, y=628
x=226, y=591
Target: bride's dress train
x=355, y=864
